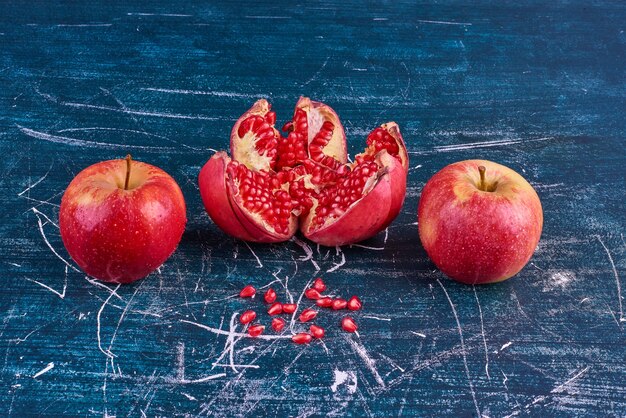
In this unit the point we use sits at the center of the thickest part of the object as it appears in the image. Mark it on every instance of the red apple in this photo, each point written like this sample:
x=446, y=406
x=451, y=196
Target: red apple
x=121, y=219
x=479, y=221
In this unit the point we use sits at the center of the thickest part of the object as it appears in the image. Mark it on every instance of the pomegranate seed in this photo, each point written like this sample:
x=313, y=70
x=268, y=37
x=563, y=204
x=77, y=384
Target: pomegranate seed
x=275, y=309
x=247, y=317
x=307, y=315
x=270, y=296
x=317, y=332
x=301, y=338
x=278, y=324
x=256, y=330
x=319, y=285
x=348, y=324
x=354, y=304
x=324, y=302
x=312, y=294
x=289, y=308
x=339, y=304
x=247, y=292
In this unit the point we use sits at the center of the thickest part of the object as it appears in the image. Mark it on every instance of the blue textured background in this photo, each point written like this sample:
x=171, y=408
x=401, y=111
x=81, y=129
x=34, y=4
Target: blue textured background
x=538, y=87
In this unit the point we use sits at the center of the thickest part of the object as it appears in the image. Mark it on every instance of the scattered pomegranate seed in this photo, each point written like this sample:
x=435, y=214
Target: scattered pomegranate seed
x=307, y=315
x=278, y=324
x=247, y=317
x=354, y=304
x=324, y=302
x=317, y=332
x=301, y=338
x=270, y=296
x=256, y=330
x=312, y=294
x=339, y=304
x=348, y=324
x=319, y=285
x=289, y=308
x=247, y=292
x=275, y=309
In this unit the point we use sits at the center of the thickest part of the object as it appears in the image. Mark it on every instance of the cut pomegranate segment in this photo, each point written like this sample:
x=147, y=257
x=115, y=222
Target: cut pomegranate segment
x=324, y=302
x=319, y=285
x=270, y=296
x=354, y=303
x=247, y=317
x=338, y=304
x=247, y=292
x=278, y=324
x=275, y=309
x=302, y=338
x=348, y=324
x=317, y=331
x=312, y=294
x=308, y=315
x=256, y=330
x=275, y=184
x=289, y=308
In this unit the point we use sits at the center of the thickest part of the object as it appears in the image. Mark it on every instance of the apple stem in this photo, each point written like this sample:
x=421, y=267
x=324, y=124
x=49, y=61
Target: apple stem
x=128, y=160
x=481, y=170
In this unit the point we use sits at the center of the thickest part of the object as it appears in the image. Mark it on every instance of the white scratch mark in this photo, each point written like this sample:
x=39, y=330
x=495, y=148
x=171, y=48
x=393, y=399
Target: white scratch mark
x=84, y=25
x=563, y=386
x=186, y=395
x=307, y=251
x=367, y=247
x=158, y=14
x=482, y=331
x=14, y=264
x=444, y=22
x=61, y=295
x=317, y=73
x=267, y=17
x=463, y=351
x=37, y=182
x=376, y=318
x=260, y=265
x=336, y=266
x=348, y=378
x=506, y=345
x=205, y=93
x=419, y=334
x=43, y=235
x=369, y=362
x=204, y=379
x=617, y=282
x=46, y=369
x=107, y=352
x=235, y=334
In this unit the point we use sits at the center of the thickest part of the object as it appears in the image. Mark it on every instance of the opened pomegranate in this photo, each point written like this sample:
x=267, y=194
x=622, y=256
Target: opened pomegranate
x=275, y=185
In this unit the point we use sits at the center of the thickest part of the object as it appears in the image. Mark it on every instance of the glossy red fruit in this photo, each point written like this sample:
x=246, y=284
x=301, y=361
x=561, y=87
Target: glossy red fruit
x=256, y=330
x=348, y=324
x=273, y=185
x=324, y=302
x=301, y=338
x=278, y=324
x=275, y=309
x=354, y=303
x=289, y=308
x=317, y=331
x=118, y=231
x=339, y=303
x=247, y=292
x=247, y=317
x=308, y=315
x=270, y=296
x=312, y=294
x=319, y=285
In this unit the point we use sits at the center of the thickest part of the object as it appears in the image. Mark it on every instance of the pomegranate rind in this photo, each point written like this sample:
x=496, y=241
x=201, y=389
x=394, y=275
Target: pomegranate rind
x=369, y=215
x=394, y=131
x=242, y=149
x=317, y=114
x=224, y=205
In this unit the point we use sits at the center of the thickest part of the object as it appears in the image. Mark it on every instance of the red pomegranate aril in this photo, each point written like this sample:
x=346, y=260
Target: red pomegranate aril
x=247, y=317
x=256, y=330
x=275, y=309
x=312, y=294
x=308, y=315
x=348, y=324
x=302, y=338
x=247, y=292
x=354, y=304
x=270, y=296
x=316, y=331
x=289, y=308
x=319, y=285
x=339, y=303
x=278, y=324
x=324, y=302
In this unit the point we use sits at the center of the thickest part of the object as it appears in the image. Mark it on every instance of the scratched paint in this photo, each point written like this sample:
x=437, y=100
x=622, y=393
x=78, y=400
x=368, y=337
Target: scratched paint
x=537, y=87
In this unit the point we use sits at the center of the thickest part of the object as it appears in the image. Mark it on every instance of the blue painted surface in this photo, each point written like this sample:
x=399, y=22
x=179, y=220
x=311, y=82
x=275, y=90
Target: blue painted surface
x=537, y=87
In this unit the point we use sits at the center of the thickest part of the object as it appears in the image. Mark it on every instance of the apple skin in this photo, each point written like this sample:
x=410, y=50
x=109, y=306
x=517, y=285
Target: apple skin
x=118, y=235
x=475, y=236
